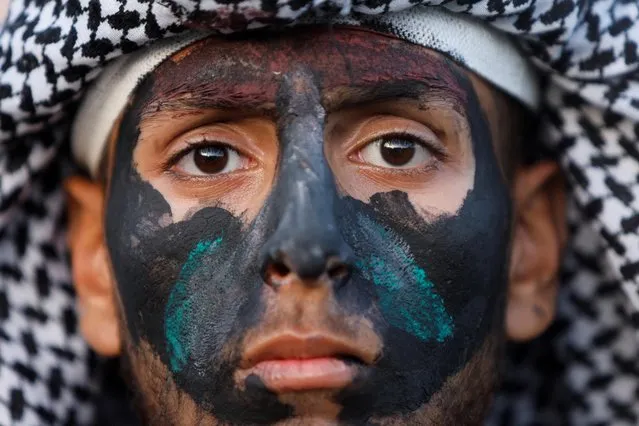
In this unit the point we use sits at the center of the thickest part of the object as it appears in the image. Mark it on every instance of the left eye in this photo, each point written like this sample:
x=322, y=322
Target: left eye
x=210, y=160
x=395, y=152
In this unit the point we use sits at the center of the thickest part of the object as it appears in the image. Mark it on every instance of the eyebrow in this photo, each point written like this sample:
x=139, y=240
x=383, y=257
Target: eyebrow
x=205, y=96
x=409, y=89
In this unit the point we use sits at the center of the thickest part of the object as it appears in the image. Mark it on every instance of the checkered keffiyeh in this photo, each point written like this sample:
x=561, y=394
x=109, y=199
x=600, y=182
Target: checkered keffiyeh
x=583, y=372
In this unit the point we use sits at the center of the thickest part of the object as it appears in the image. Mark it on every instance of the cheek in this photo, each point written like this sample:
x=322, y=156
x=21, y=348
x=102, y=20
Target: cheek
x=440, y=192
x=242, y=191
x=441, y=188
x=243, y=196
x=448, y=189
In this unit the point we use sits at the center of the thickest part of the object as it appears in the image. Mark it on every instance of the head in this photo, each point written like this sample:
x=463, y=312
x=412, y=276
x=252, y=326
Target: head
x=321, y=226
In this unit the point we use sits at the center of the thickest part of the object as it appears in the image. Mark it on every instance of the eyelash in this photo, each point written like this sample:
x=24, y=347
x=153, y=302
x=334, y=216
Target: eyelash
x=192, y=146
x=437, y=151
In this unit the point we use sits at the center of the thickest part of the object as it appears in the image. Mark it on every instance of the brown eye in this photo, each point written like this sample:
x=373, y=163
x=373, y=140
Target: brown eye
x=395, y=152
x=210, y=160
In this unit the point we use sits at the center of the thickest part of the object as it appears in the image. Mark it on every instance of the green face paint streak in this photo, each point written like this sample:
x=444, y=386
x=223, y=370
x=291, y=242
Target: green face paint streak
x=407, y=297
x=178, y=308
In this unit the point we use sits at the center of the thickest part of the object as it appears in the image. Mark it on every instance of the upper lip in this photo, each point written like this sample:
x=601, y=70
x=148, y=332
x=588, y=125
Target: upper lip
x=304, y=346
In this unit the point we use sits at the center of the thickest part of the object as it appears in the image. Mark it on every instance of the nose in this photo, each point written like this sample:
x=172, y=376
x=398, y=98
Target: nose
x=313, y=266
x=306, y=240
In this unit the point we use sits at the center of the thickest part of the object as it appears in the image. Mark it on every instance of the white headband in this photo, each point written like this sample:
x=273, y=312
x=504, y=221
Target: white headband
x=471, y=43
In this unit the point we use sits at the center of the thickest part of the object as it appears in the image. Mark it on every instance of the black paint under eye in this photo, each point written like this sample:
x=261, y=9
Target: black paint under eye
x=211, y=159
x=397, y=151
x=222, y=292
x=464, y=255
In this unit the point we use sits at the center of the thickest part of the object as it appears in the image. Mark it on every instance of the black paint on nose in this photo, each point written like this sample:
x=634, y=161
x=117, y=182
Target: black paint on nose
x=306, y=239
x=279, y=265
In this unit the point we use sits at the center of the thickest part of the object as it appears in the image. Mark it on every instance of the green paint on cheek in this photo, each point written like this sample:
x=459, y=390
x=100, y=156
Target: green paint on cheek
x=178, y=309
x=407, y=297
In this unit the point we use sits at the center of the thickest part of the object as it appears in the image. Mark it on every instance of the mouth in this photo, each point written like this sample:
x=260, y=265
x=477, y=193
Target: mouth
x=292, y=362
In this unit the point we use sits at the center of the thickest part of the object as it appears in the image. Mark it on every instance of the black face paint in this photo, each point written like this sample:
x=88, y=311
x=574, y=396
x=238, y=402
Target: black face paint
x=187, y=288
x=463, y=257
x=193, y=289
x=304, y=196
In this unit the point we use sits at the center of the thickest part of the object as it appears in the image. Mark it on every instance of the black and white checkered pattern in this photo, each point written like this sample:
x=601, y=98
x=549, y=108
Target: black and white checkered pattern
x=583, y=372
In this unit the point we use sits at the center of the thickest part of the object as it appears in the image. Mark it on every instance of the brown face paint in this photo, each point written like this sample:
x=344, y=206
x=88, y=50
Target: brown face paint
x=196, y=291
x=248, y=75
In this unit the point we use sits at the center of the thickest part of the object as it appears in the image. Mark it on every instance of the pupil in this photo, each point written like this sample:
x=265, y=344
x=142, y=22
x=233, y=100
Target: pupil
x=211, y=159
x=397, y=152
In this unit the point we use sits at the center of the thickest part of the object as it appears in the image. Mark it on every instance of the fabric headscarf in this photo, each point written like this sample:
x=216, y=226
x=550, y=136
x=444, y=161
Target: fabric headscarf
x=584, y=371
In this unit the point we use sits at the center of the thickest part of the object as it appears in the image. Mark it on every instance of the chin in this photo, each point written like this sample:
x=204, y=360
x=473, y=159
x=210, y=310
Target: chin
x=463, y=400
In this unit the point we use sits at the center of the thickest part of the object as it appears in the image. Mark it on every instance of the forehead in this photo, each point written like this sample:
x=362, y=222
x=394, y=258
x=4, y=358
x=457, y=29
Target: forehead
x=228, y=72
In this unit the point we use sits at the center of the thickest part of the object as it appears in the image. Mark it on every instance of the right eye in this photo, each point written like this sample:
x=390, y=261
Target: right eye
x=211, y=159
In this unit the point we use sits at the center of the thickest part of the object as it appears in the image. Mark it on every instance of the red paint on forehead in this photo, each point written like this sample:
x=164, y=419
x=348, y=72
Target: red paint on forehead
x=232, y=71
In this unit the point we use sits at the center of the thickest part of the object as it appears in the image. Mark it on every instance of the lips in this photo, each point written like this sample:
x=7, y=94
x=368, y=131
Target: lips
x=292, y=362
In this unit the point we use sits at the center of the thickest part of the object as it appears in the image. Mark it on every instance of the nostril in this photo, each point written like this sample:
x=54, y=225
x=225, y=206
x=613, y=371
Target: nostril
x=280, y=269
x=337, y=270
x=276, y=272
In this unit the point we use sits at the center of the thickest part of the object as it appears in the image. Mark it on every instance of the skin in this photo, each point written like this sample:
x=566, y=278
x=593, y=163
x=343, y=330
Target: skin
x=400, y=274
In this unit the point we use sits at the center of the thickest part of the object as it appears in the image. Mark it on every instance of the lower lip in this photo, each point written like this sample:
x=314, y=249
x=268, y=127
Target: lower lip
x=291, y=375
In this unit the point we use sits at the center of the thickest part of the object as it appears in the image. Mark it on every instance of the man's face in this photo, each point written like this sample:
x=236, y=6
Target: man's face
x=310, y=227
